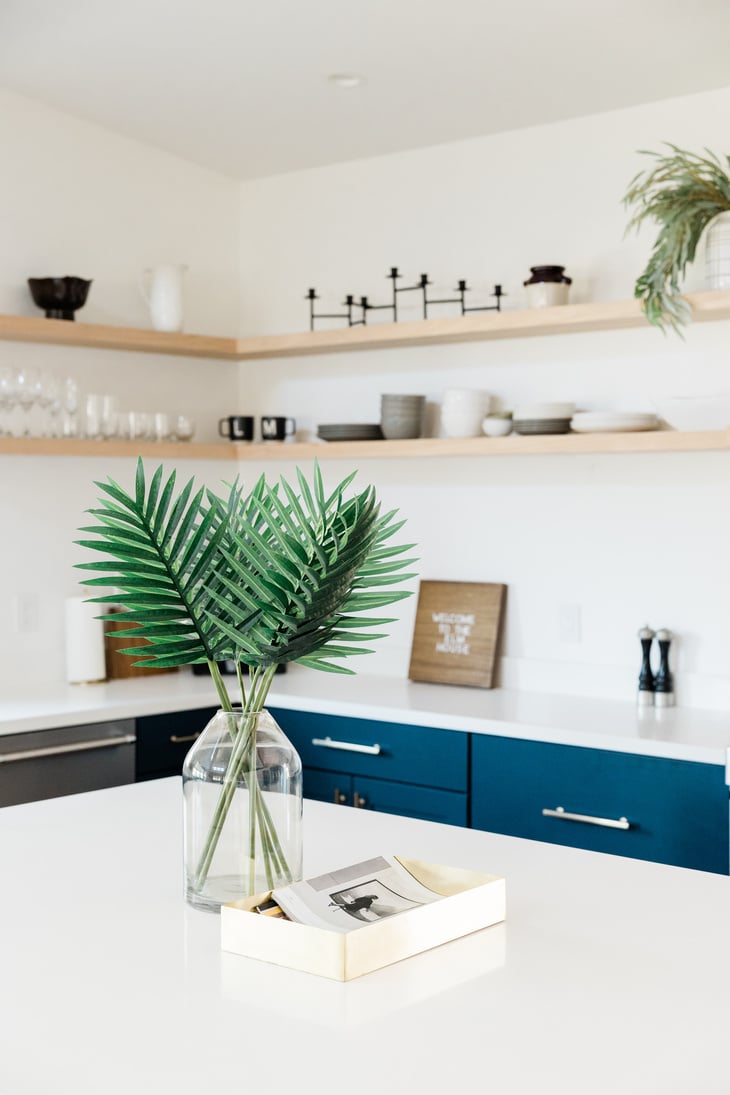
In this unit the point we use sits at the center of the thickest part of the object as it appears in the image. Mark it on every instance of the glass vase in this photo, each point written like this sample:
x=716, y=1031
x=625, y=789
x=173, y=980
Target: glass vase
x=242, y=796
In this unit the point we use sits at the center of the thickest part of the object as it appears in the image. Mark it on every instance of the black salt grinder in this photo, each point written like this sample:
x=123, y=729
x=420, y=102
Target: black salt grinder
x=664, y=681
x=646, y=676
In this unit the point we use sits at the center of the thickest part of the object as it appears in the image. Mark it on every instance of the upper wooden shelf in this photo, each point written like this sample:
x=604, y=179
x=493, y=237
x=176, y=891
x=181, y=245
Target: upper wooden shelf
x=568, y=319
x=573, y=444
x=62, y=332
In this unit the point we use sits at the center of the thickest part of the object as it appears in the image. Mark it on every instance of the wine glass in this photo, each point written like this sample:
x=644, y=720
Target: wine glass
x=50, y=401
x=8, y=398
x=70, y=400
x=28, y=389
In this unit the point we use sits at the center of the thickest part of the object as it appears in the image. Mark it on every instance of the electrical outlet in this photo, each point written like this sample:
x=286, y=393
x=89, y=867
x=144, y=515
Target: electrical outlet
x=26, y=612
x=570, y=629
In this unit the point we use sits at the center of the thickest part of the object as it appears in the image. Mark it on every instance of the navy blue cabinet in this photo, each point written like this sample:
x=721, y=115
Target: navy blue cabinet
x=390, y=767
x=163, y=741
x=670, y=811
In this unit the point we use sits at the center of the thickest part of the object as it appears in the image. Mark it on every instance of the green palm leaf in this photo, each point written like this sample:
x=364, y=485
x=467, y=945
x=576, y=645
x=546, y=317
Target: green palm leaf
x=302, y=562
x=276, y=575
x=159, y=565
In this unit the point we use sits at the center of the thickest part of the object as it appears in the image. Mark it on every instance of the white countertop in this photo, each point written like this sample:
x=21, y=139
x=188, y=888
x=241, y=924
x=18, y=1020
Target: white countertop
x=609, y=976
x=678, y=733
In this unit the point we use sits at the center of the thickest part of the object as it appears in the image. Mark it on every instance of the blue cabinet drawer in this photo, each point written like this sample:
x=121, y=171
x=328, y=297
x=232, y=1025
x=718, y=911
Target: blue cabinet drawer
x=428, y=803
x=328, y=786
x=393, y=751
x=677, y=810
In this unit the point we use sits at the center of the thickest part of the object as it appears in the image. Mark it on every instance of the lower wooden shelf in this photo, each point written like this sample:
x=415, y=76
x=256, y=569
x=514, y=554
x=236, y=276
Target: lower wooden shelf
x=513, y=445
x=554, y=445
x=54, y=446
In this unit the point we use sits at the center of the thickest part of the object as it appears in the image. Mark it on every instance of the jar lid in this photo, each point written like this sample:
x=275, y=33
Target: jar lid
x=548, y=273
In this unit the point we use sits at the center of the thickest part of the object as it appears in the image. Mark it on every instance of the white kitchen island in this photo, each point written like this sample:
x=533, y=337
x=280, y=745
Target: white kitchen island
x=609, y=977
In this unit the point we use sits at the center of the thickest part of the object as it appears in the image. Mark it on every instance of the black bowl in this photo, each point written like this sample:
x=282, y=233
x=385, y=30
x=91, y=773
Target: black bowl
x=59, y=297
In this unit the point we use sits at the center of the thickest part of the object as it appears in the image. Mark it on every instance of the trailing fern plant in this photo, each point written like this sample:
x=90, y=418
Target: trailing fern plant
x=681, y=193
x=273, y=576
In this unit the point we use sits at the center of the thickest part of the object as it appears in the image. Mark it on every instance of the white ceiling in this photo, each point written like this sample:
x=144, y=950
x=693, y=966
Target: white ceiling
x=241, y=86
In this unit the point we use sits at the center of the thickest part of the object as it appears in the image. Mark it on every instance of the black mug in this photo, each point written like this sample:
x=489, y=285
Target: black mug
x=237, y=427
x=277, y=427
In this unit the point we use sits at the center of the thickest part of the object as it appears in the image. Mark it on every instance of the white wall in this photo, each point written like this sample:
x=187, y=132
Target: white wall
x=627, y=539
x=75, y=199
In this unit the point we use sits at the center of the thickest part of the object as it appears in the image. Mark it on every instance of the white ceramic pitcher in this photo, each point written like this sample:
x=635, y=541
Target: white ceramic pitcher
x=162, y=288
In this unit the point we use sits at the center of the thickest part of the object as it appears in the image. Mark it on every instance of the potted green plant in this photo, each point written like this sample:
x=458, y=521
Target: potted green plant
x=683, y=193
x=262, y=578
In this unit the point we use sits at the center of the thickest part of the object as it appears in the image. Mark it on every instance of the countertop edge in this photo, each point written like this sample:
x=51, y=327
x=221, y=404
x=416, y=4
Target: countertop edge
x=677, y=734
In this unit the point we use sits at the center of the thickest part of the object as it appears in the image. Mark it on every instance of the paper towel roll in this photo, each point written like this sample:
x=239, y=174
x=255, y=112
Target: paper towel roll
x=84, y=642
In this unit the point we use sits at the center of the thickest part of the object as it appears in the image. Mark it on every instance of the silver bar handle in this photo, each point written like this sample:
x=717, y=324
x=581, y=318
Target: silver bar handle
x=178, y=739
x=347, y=746
x=72, y=747
x=607, y=822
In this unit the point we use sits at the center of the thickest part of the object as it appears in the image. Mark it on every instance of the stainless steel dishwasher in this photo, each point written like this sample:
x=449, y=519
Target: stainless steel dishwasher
x=48, y=763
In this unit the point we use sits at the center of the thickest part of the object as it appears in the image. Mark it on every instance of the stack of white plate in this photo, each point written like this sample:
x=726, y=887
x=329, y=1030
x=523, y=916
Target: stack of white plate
x=539, y=418
x=612, y=422
x=352, y=431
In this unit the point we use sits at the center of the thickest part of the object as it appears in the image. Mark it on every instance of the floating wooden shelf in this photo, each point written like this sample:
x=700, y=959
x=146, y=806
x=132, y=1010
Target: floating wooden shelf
x=52, y=446
x=573, y=444
x=514, y=445
x=568, y=319
x=61, y=332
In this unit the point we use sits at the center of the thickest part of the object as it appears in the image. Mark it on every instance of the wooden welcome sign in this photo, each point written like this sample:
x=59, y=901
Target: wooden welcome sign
x=456, y=633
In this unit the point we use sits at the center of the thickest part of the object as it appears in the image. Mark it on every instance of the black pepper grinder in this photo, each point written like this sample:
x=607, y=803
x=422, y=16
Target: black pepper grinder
x=647, y=683
x=664, y=681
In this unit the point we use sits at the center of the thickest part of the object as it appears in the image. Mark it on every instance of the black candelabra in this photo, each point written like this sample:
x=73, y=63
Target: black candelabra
x=365, y=306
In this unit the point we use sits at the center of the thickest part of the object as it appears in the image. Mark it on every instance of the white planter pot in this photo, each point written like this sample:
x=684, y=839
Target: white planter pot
x=717, y=253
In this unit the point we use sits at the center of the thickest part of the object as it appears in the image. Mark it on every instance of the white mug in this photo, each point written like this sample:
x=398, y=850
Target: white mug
x=162, y=288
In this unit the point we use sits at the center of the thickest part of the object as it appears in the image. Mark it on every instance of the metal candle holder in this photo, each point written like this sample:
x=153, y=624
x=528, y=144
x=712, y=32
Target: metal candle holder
x=421, y=286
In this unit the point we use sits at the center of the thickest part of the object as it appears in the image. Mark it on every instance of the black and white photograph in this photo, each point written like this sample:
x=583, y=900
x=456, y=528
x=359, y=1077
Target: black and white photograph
x=371, y=901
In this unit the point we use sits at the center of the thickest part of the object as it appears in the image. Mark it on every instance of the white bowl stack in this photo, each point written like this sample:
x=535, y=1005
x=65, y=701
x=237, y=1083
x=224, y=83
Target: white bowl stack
x=400, y=416
x=463, y=411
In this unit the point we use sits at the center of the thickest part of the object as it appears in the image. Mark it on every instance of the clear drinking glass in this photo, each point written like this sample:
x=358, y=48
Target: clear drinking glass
x=109, y=416
x=183, y=427
x=92, y=416
x=161, y=426
x=139, y=425
x=242, y=803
